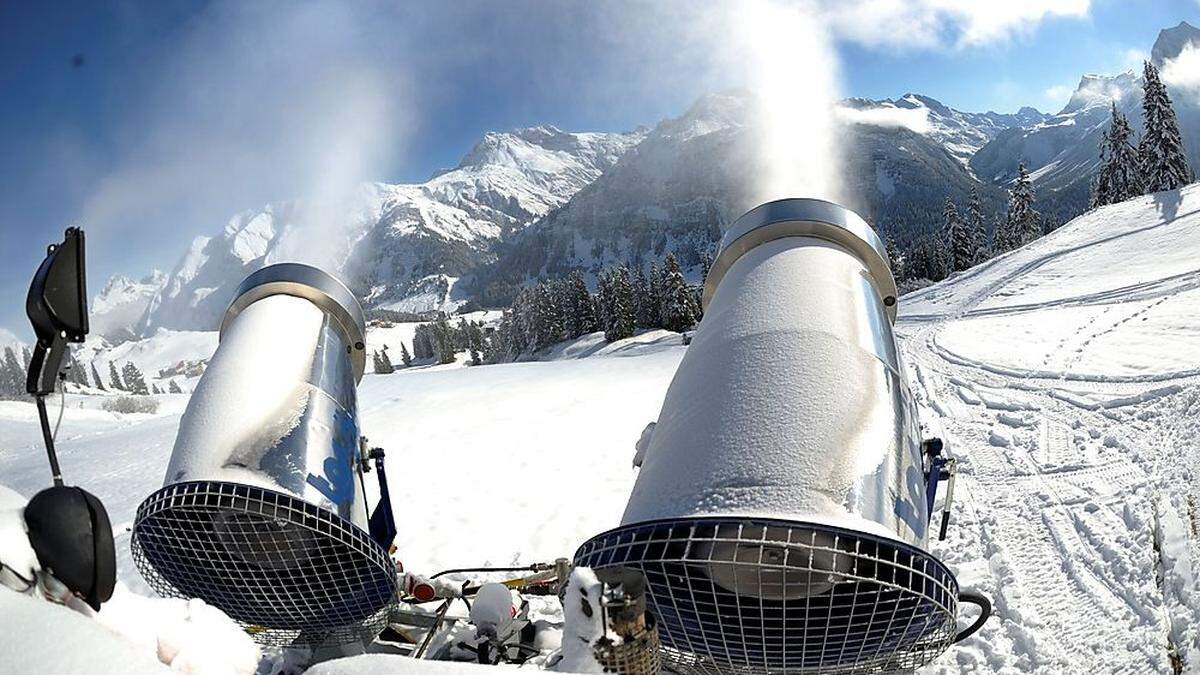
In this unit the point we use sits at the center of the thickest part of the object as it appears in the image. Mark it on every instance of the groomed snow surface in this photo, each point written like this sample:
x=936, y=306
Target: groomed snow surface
x=1061, y=375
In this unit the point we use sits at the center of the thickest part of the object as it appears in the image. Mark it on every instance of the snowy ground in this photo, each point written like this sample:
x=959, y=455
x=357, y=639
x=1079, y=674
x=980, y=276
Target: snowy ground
x=1064, y=376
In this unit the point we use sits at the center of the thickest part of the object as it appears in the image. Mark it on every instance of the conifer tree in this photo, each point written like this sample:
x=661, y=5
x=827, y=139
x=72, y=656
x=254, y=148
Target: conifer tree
x=384, y=367
x=134, y=382
x=1119, y=177
x=644, y=314
x=405, y=357
x=154, y=389
x=654, y=297
x=99, y=381
x=1023, y=223
x=443, y=340
x=12, y=376
x=114, y=379
x=958, y=241
x=895, y=257
x=976, y=228
x=618, y=302
x=1163, y=163
x=582, y=315
x=706, y=263
x=679, y=310
x=174, y=388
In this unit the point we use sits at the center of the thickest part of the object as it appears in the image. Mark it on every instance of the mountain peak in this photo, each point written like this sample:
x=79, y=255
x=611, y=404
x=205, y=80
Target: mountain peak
x=1171, y=42
x=1095, y=90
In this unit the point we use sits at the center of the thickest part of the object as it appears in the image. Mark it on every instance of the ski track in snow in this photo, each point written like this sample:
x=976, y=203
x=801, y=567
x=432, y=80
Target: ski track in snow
x=1062, y=472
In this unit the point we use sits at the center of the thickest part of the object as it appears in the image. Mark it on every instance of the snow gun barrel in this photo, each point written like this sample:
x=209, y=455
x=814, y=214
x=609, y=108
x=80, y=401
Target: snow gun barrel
x=262, y=513
x=780, y=515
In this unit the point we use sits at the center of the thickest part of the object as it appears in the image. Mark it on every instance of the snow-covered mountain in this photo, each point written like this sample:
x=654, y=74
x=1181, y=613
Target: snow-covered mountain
x=393, y=243
x=118, y=308
x=1063, y=151
x=962, y=133
x=675, y=191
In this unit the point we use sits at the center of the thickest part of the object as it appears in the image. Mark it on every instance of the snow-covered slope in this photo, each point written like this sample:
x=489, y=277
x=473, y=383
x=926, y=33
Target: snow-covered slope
x=1065, y=377
x=390, y=242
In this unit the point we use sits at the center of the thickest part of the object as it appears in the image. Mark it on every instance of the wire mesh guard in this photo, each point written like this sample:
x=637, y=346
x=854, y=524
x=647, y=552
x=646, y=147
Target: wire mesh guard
x=761, y=596
x=290, y=572
x=636, y=655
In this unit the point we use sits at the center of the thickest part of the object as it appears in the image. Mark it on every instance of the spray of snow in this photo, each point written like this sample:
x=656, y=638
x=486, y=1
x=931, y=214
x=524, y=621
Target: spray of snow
x=913, y=119
x=1183, y=71
x=794, y=70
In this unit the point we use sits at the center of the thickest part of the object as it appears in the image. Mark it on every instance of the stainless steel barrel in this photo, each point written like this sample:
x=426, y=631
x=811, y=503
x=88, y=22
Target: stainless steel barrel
x=262, y=513
x=780, y=513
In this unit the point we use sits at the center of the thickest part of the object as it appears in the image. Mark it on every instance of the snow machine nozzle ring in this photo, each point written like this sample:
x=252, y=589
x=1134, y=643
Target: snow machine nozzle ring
x=316, y=286
x=815, y=218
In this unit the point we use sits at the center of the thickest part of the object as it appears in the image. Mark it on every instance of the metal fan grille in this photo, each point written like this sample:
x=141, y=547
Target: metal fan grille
x=759, y=596
x=637, y=655
x=290, y=572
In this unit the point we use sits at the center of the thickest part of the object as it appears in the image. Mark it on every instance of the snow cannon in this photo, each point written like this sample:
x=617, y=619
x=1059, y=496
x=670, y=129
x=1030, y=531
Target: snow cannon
x=781, y=513
x=263, y=512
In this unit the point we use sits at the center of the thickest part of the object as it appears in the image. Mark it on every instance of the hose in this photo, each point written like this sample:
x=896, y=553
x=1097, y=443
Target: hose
x=536, y=567
x=985, y=612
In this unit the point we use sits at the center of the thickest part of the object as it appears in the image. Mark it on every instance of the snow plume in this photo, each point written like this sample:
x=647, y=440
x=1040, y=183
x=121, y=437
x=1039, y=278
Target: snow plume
x=913, y=119
x=793, y=69
x=1183, y=71
x=255, y=102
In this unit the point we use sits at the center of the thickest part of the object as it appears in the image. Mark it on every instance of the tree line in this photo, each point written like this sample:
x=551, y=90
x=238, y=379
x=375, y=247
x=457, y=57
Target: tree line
x=551, y=311
x=129, y=378
x=625, y=300
x=964, y=240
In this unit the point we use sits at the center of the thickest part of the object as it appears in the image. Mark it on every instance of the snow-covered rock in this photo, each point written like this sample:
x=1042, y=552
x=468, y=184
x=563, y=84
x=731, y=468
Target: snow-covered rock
x=115, y=312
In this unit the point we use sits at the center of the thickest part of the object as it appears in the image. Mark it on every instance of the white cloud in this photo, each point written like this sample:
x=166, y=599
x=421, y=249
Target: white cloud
x=1183, y=71
x=914, y=119
x=1132, y=59
x=1058, y=94
x=918, y=24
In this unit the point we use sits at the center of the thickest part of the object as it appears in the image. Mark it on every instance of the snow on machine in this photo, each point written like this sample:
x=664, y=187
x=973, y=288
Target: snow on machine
x=263, y=512
x=782, y=509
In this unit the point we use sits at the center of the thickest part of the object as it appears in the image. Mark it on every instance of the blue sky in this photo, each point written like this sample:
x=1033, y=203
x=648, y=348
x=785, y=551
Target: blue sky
x=175, y=115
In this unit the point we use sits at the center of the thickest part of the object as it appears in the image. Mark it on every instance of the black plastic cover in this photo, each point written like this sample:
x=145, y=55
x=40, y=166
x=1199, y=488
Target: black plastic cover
x=71, y=534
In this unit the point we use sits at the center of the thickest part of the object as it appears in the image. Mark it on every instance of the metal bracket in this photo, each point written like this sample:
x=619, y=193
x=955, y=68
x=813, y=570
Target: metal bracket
x=940, y=468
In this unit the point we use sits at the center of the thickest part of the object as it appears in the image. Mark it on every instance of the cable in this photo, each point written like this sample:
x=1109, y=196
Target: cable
x=536, y=567
x=62, y=404
x=44, y=419
x=985, y=611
